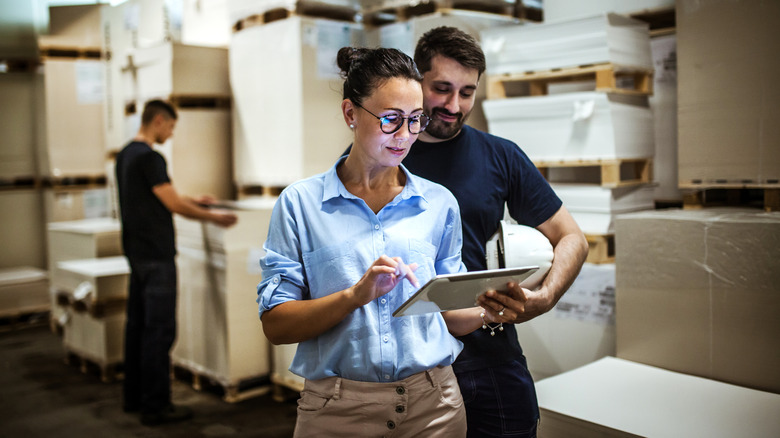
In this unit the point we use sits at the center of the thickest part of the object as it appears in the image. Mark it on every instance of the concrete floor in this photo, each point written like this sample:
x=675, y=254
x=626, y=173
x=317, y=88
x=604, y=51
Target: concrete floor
x=43, y=396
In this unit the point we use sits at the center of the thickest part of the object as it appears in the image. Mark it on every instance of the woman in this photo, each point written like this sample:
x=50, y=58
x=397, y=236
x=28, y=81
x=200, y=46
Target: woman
x=339, y=247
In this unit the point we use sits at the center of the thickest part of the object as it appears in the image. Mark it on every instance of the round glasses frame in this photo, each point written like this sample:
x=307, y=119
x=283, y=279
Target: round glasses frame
x=385, y=122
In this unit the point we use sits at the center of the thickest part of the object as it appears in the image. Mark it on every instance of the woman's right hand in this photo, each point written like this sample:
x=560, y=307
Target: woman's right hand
x=381, y=277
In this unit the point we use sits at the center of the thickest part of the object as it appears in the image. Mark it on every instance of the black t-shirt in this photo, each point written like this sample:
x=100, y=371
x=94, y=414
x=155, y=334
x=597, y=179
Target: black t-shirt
x=485, y=172
x=147, y=225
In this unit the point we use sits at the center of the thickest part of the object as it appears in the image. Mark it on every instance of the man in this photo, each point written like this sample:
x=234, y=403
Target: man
x=147, y=200
x=485, y=172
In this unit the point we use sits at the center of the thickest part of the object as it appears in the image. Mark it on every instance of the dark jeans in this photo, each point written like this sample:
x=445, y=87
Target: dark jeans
x=149, y=334
x=500, y=401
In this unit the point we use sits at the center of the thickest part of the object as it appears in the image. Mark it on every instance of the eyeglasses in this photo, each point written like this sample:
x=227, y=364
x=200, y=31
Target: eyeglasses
x=391, y=123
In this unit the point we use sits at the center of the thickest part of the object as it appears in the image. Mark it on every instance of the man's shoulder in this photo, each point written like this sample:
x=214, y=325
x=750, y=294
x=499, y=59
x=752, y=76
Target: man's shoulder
x=487, y=140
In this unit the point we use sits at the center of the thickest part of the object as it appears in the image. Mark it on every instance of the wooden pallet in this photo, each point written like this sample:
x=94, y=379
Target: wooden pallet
x=285, y=389
x=26, y=65
x=232, y=392
x=618, y=172
x=260, y=190
x=314, y=9
x=206, y=102
x=661, y=21
x=20, y=182
x=601, y=248
x=75, y=181
x=16, y=319
x=108, y=372
x=70, y=52
x=608, y=78
x=765, y=196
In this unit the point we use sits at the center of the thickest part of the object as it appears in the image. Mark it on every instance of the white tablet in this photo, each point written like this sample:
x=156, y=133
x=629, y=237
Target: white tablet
x=460, y=291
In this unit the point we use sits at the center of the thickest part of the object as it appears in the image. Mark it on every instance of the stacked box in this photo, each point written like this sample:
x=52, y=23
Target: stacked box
x=19, y=128
x=575, y=126
x=598, y=39
x=22, y=216
x=559, y=10
x=97, y=339
x=23, y=290
x=219, y=333
x=729, y=100
x=90, y=283
x=64, y=204
x=595, y=208
x=618, y=398
x=75, y=144
x=293, y=129
x=73, y=26
x=697, y=293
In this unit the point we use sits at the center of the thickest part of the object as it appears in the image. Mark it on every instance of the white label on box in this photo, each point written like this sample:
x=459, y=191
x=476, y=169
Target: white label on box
x=591, y=297
x=329, y=38
x=89, y=82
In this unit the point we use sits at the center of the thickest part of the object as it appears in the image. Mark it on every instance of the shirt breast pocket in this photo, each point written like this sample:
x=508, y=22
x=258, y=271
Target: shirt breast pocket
x=331, y=269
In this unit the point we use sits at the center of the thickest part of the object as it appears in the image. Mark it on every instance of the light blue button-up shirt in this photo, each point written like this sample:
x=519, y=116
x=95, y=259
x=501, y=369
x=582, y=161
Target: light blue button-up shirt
x=322, y=239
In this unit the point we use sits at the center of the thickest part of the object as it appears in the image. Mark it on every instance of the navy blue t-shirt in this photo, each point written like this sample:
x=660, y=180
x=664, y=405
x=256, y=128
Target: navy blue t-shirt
x=147, y=225
x=484, y=172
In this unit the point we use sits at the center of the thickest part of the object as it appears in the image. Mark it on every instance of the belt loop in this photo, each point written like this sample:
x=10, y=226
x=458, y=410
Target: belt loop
x=432, y=376
x=337, y=389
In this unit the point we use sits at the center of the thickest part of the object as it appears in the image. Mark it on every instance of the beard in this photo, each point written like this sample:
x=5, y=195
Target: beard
x=445, y=130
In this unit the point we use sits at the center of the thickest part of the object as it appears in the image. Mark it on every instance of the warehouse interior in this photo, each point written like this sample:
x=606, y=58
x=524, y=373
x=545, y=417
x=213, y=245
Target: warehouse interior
x=655, y=122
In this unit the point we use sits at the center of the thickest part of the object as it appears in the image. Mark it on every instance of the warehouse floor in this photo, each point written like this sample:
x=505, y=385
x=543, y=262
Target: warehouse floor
x=43, y=396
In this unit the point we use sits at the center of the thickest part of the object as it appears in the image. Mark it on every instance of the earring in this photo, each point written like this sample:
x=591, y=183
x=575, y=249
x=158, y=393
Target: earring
x=351, y=126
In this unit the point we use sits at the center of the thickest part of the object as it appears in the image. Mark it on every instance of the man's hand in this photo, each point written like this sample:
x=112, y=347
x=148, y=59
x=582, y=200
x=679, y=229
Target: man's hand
x=517, y=304
x=223, y=218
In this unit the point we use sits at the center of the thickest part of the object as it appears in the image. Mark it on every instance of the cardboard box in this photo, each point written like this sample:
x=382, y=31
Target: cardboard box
x=618, y=398
x=181, y=70
x=729, y=100
x=21, y=234
x=697, y=293
x=64, y=204
x=74, y=26
x=82, y=239
x=663, y=104
x=91, y=282
x=579, y=330
x=98, y=339
x=23, y=290
x=19, y=127
x=575, y=126
x=75, y=144
x=597, y=39
x=293, y=128
x=220, y=334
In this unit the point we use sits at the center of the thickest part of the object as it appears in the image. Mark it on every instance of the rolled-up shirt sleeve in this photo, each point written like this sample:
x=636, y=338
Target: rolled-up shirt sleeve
x=283, y=273
x=448, y=259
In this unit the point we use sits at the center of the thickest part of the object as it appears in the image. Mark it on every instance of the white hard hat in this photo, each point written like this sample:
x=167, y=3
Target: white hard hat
x=514, y=246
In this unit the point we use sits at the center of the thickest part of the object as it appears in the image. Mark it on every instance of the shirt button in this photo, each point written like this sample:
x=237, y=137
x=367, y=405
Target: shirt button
x=400, y=390
x=399, y=409
x=376, y=227
x=387, y=376
x=390, y=425
x=385, y=338
x=276, y=280
x=383, y=301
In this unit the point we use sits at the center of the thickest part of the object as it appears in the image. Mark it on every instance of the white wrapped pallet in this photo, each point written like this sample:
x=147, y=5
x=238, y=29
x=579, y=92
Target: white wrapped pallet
x=220, y=335
x=23, y=290
x=575, y=126
x=595, y=208
x=560, y=10
x=287, y=99
x=605, y=38
x=21, y=213
x=20, y=129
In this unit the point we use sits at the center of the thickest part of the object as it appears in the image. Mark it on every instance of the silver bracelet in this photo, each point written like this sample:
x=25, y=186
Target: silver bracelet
x=485, y=325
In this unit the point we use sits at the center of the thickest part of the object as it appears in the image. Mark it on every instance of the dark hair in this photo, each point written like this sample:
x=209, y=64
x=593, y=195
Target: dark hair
x=154, y=107
x=364, y=70
x=452, y=43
